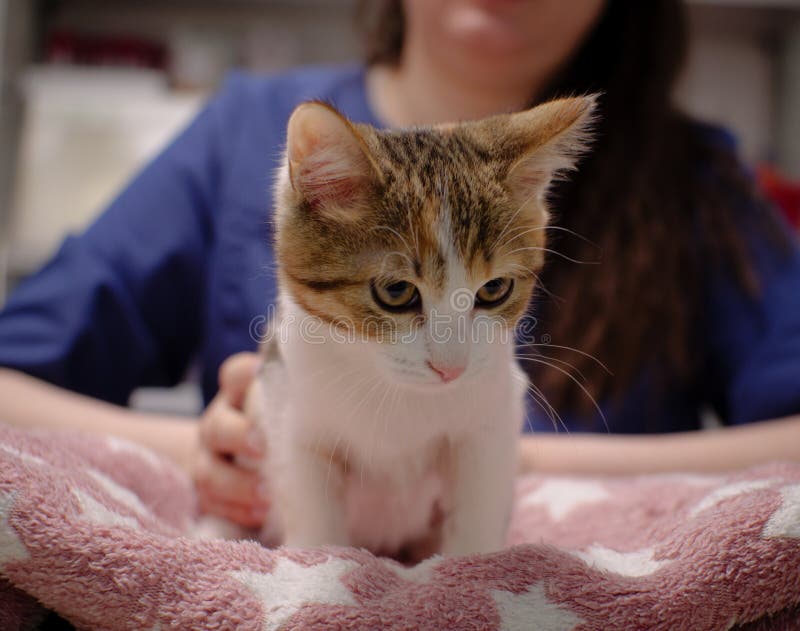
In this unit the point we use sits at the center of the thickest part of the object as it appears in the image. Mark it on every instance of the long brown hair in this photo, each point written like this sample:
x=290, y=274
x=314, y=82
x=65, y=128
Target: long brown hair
x=658, y=201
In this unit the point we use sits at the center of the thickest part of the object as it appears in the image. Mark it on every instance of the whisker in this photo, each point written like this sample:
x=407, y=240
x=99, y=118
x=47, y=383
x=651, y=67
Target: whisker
x=339, y=377
x=354, y=413
x=557, y=360
x=558, y=300
x=563, y=256
x=393, y=231
x=539, y=284
x=374, y=381
x=574, y=234
x=541, y=400
x=555, y=417
x=403, y=255
x=548, y=228
x=528, y=421
x=386, y=419
x=522, y=234
x=377, y=412
x=505, y=228
x=522, y=205
x=538, y=360
x=575, y=350
x=394, y=399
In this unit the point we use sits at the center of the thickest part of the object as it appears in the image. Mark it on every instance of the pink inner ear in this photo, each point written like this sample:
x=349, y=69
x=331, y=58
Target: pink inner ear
x=321, y=183
x=327, y=162
x=527, y=179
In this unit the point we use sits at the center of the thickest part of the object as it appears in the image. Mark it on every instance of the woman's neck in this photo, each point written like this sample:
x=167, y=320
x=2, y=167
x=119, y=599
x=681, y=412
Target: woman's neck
x=418, y=92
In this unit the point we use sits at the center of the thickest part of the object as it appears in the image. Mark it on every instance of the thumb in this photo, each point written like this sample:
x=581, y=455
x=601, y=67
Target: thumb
x=235, y=376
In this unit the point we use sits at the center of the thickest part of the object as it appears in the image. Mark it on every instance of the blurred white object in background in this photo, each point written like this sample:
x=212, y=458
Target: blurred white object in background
x=200, y=57
x=85, y=132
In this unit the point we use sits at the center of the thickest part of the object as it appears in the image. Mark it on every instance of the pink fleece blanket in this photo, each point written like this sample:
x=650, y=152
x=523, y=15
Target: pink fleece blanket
x=92, y=528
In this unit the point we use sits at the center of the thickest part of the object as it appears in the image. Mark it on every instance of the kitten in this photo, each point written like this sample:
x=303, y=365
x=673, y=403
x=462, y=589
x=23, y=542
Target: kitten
x=390, y=395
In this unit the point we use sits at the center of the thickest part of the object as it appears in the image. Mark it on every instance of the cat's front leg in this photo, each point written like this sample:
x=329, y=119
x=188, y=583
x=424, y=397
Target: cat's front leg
x=311, y=508
x=482, y=493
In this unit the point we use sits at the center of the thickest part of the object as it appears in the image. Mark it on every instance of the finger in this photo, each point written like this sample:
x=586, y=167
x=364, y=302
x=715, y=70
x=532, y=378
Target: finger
x=226, y=430
x=247, y=516
x=235, y=376
x=215, y=476
x=258, y=508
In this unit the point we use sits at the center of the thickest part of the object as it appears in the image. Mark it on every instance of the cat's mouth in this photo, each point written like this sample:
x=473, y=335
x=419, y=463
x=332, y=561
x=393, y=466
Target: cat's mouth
x=429, y=375
x=432, y=381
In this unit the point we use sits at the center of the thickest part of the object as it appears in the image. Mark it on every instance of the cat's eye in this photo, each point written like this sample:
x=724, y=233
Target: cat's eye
x=494, y=293
x=397, y=296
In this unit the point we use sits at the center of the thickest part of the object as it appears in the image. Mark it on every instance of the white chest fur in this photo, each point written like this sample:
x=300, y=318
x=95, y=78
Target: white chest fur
x=356, y=459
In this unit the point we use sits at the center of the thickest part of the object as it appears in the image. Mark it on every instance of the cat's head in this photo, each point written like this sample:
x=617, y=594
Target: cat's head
x=420, y=248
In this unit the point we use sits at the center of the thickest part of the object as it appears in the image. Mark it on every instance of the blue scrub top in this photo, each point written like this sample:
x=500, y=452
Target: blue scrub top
x=180, y=267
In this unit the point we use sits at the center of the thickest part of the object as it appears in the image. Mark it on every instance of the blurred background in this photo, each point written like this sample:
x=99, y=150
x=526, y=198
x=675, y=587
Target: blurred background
x=91, y=89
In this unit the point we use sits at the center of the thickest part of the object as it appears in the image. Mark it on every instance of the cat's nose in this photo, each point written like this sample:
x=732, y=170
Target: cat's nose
x=447, y=373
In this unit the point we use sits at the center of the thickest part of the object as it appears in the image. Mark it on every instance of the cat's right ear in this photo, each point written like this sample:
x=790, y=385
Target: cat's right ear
x=329, y=163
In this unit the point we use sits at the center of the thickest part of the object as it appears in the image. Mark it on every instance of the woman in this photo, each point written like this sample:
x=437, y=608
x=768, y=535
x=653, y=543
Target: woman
x=694, y=302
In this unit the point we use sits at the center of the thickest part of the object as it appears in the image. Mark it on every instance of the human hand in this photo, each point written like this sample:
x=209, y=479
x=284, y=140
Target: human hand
x=225, y=486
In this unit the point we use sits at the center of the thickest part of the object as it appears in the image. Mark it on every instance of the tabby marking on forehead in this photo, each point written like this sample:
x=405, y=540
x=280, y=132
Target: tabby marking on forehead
x=444, y=234
x=448, y=191
x=428, y=206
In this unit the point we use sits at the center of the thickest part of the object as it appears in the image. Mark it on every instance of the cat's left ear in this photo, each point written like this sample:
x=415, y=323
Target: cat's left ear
x=546, y=141
x=329, y=162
